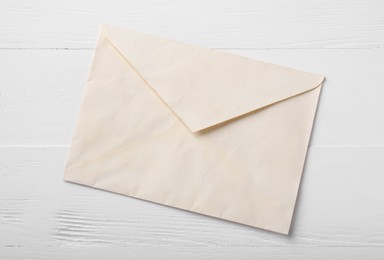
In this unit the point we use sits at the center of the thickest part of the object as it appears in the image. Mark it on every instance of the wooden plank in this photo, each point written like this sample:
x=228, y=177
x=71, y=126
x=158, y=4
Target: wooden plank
x=41, y=91
x=340, y=205
x=45, y=52
x=227, y=24
x=192, y=253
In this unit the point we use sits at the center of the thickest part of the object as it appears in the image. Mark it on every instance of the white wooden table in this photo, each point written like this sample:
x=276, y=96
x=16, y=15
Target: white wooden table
x=46, y=49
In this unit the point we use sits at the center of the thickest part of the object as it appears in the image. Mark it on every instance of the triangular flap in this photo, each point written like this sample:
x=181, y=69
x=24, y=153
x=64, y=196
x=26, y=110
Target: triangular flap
x=205, y=87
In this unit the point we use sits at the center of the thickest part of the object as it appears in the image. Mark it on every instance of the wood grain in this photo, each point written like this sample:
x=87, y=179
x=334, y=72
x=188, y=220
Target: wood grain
x=41, y=93
x=341, y=208
x=45, y=52
x=217, y=24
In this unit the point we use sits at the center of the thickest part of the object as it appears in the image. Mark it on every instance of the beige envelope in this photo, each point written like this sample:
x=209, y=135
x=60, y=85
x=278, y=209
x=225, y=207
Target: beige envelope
x=194, y=128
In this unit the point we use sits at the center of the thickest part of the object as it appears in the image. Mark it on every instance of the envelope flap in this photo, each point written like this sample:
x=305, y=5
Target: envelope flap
x=204, y=87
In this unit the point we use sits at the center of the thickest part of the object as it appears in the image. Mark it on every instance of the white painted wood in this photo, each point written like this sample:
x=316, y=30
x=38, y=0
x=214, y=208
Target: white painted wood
x=45, y=52
x=41, y=91
x=219, y=24
x=340, y=209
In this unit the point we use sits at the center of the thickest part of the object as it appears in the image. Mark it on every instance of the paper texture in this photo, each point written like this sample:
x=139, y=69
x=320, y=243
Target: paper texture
x=194, y=128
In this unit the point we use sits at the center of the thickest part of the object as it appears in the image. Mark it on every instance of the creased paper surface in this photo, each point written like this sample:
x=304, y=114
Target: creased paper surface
x=193, y=128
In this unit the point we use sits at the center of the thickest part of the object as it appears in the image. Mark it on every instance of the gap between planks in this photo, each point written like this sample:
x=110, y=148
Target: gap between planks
x=255, y=49
x=310, y=146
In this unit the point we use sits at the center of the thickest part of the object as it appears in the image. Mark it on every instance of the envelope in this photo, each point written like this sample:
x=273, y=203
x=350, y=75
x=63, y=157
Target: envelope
x=193, y=128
